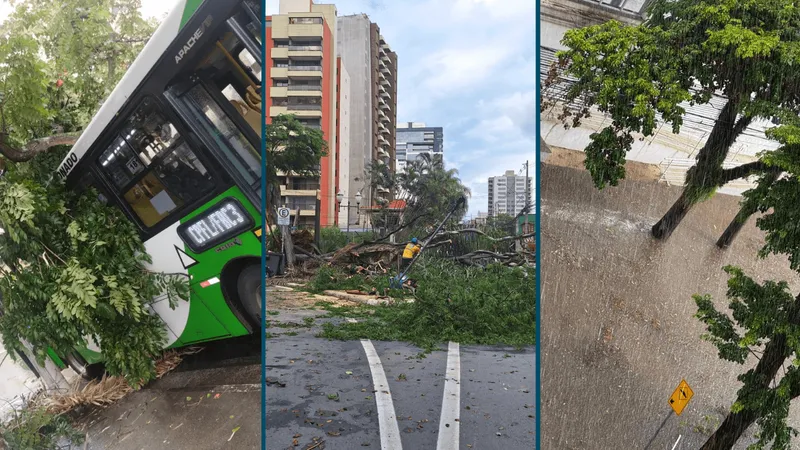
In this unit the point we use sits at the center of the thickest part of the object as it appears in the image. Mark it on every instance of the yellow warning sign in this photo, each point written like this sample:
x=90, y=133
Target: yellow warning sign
x=680, y=398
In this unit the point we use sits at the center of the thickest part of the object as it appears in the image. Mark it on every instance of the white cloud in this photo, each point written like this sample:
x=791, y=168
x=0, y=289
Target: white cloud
x=454, y=69
x=468, y=66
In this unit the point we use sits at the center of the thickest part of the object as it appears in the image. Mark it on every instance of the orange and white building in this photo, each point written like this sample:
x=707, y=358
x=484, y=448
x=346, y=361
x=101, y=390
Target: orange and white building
x=301, y=76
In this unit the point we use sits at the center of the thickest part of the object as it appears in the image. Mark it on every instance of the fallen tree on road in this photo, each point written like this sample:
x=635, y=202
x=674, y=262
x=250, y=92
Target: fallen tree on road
x=371, y=254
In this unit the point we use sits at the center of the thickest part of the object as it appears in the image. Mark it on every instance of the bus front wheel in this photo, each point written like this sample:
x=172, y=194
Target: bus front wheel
x=85, y=370
x=249, y=289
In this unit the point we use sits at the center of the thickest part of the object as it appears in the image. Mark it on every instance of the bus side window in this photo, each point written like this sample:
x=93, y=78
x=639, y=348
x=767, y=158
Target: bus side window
x=153, y=167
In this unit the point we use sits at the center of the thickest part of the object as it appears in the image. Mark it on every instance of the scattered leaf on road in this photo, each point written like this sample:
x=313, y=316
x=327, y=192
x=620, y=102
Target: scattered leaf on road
x=233, y=432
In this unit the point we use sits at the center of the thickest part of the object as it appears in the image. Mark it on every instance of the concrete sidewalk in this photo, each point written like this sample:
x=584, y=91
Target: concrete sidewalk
x=212, y=409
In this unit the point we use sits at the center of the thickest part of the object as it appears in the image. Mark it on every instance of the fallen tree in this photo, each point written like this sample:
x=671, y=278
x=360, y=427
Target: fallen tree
x=373, y=257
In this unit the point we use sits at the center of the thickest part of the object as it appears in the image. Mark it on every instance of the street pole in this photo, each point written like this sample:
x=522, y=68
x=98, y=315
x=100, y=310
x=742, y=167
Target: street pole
x=348, y=220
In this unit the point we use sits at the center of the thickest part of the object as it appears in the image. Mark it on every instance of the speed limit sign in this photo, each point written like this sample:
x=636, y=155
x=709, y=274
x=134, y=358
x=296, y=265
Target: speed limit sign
x=283, y=216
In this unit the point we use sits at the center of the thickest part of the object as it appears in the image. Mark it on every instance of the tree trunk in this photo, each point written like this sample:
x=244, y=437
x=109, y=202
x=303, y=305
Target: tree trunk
x=707, y=173
x=664, y=227
x=735, y=227
x=288, y=245
x=730, y=431
x=773, y=358
x=744, y=213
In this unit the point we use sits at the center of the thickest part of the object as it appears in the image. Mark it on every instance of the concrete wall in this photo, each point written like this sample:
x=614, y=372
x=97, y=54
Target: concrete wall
x=15, y=380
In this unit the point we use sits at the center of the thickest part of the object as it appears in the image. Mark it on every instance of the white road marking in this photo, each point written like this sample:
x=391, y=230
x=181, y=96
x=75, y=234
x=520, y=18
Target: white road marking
x=451, y=402
x=676, y=442
x=387, y=419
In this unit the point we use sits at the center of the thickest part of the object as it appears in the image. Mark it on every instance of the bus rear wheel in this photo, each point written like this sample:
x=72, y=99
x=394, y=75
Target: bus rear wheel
x=249, y=290
x=85, y=370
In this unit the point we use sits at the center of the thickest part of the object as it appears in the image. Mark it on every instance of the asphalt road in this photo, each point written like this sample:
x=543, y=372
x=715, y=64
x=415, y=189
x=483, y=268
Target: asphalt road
x=364, y=394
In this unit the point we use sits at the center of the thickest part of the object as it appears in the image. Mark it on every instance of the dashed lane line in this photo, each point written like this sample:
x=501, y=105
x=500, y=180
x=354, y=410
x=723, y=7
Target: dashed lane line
x=451, y=402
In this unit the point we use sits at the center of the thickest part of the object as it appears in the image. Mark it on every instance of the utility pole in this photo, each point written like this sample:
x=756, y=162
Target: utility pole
x=527, y=197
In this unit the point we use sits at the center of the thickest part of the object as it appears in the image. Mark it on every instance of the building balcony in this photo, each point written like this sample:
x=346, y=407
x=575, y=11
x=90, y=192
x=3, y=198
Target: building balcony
x=291, y=107
x=304, y=71
x=385, y=82
x=304, y=91
x=304, y=51
x=302, y=30
x=279, y=72
x=382, y=151
x=279, y=53
x=298, y=192
x=385, y=94
x=275, y=111
x=278, y=91
x=385, y=70
x=383, y=141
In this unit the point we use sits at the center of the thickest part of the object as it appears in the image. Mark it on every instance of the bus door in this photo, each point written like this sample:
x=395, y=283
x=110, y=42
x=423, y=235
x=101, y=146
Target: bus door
x=221, y=100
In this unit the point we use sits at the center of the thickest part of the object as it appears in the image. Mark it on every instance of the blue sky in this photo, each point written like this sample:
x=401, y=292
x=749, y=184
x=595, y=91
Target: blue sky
x=468, y=66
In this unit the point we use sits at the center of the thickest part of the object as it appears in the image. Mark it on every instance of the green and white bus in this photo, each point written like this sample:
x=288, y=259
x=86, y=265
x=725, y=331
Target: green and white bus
x=177, y=146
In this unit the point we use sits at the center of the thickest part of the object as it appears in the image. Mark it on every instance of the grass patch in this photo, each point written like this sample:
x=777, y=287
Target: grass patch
x=468, y=305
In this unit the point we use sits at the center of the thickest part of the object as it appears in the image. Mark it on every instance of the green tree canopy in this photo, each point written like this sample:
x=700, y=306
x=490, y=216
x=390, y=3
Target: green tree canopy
x=58, y=61
x=643, y=77
x=77, y=272
x=291, y=148
x=76, y=269
x=429, y=189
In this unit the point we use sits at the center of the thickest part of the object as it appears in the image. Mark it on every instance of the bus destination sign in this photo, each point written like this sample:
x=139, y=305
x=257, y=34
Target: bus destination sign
x=217, y=224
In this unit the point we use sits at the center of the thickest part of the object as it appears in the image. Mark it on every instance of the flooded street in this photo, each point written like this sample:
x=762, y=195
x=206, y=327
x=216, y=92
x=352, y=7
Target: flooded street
x=618, y=332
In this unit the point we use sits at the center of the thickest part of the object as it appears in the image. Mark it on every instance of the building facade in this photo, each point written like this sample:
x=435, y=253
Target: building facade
x=343, y=124
x=372, y=68
x=416, y=138
x=301, y=80
x=508, y=194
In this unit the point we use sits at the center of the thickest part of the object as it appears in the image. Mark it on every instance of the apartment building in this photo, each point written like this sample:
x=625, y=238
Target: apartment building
x=372, y=68
x=507, y=193
x=301, y=67
x=414, y=139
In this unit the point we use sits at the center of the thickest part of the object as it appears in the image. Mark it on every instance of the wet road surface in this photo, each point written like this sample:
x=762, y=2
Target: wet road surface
x=334, y=392
x=618, y=332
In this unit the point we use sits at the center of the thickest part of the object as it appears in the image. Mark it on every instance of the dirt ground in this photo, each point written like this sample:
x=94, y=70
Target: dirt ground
x=634, y=171
x=618, y=332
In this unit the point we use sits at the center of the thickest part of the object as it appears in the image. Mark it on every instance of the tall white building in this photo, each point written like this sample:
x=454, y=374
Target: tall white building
x=507, y=193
